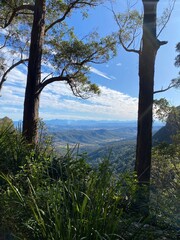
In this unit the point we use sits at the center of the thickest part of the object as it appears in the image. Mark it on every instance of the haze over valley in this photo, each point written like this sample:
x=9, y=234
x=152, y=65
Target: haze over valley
x=114, y=140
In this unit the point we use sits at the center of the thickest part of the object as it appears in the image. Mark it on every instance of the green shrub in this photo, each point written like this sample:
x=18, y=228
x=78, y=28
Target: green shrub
x=12, y=150
x=165, y=184
x=77, y=203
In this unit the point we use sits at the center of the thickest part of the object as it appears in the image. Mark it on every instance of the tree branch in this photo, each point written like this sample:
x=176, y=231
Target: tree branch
x=126, y=48
x=68, y=79
x=75, y=90
x=70, y=7
x=120, y=39
x=6, y=39
x=15, y=12
x=161, y=43
x=163, y=90
x=3, y=79
x=43, y=84
x=58, y=20
x=174, y=83
x=168, y=17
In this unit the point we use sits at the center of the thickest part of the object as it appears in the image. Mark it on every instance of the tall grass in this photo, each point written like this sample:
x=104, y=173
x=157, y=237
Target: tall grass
x=81, y=206
x=60, y=197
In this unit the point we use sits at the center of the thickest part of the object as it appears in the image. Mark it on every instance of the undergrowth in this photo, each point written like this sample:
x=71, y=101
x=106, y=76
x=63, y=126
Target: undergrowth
x=52, y=197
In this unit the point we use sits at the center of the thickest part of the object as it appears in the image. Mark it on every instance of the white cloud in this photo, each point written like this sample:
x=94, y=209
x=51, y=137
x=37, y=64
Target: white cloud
x=119, y=64
x=57, y=101
x=110, y=105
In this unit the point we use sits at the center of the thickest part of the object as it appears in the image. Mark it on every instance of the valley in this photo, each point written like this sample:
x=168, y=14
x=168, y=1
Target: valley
x=98, y=140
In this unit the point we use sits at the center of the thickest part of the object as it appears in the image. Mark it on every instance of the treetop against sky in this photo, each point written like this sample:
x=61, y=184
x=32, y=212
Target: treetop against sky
x=118, y=78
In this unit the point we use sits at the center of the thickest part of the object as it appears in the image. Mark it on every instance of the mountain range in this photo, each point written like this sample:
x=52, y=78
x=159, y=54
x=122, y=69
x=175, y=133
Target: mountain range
x=103, y=139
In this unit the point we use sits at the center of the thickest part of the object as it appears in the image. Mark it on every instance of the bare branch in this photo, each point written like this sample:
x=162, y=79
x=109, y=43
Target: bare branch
x=168, y=17
x=120, y=39
x=47, y=77
x=6, y=39
x=163, y=90
x=161, y=43
x=126, y=48
x=15, y=12
x=132, y=4
x=70, y=7
x=175, y=83
x=3, y=79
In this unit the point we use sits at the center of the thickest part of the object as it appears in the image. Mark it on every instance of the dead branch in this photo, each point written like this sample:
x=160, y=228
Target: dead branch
x=3, y=79
x=175, y=83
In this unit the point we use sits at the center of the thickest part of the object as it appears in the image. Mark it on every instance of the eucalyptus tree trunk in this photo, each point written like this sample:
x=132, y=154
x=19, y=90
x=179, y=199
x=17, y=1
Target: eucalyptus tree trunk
x=31, y=102
x=149, y=47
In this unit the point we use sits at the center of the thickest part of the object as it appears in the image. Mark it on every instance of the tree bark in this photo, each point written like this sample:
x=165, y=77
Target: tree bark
x=149, y=47
x=146, y=88
x=31, y=102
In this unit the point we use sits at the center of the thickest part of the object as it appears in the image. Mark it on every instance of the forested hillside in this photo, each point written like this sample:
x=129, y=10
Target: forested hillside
x=6, y=122
x=171, y=128
x=113, y=141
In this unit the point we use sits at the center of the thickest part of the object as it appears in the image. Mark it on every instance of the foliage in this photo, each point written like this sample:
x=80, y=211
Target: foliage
x=177, y=59
x=165, y=171
x=121, y=155
x=64, y=56
x=130, y=25
x=72, y=58
x=165, y=183
x=54, y=47
x=161, y=109
x=175, y=82
x=56, y=199
x=49, y=196
x=12, y=149
x=172, y=127
x=5, y=123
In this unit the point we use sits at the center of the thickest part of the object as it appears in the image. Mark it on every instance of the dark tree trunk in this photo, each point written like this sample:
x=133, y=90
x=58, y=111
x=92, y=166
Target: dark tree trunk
x=146, y=88
x=31, y=102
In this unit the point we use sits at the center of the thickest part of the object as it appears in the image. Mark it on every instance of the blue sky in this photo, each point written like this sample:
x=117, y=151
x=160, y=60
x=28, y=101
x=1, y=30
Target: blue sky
x=118, y=79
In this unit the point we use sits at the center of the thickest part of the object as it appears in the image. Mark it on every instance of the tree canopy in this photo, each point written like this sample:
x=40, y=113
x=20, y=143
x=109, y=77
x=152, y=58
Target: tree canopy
x=62, y=50
x=37, y=33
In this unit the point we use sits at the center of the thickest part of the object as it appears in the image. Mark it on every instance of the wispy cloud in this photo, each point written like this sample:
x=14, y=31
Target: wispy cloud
x=101, y=74
x=110, y=105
